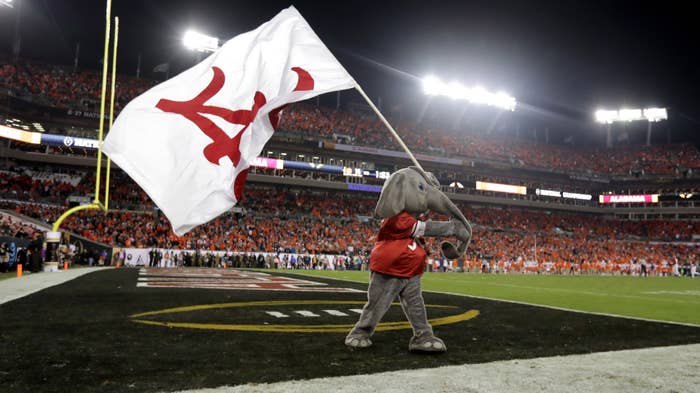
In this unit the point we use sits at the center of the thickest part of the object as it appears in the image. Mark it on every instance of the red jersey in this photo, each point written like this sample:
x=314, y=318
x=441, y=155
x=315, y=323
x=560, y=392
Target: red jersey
x=396, y=252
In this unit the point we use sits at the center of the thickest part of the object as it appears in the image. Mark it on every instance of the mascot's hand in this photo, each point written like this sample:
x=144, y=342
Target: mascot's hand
x=454, y=228
x=463, y=234
x=461, y=231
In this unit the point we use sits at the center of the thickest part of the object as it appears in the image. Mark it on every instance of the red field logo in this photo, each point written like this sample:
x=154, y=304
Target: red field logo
x=229, y=279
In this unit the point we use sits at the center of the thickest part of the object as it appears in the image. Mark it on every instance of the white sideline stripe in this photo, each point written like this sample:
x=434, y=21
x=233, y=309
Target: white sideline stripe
x=577, y=292
x=570, y=309
x=15, y=288
x=686, y=292
x=336, y=313
x=540, y=305
x=628, y=371
x=305, y=313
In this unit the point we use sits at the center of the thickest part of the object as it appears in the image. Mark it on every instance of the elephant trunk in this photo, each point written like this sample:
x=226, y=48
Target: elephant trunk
x=440, y=203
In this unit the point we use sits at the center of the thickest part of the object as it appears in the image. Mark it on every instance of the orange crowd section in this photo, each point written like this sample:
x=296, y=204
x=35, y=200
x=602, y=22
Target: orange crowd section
x=277, y=219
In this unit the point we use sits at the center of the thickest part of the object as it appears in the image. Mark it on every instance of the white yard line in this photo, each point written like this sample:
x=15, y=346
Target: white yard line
x=664, y=369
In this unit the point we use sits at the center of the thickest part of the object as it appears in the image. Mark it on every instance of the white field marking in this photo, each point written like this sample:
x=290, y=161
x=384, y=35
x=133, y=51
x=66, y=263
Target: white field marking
x=570, y=309
x=277, y=314
x=199, y=280
x=15, y=288
x=173, y=274
x=628, y=371
x=688, y=292
x=305, y=313
x=542, y=306
x=314, y=290
x=335, y=313
x=356, y=310
x=224, y=279
x=577, y=292
x=296, y=287
x=185, y=284
x=199, y=272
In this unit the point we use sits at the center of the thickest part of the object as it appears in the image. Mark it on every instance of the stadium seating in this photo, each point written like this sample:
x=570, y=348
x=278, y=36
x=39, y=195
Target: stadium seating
x=282, y=220
x=15, y=228
x=58, y=86
x=658, y=159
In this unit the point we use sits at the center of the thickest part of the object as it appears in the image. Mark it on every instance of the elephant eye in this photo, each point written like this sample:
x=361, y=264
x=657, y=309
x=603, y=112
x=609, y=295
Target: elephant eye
x=421, y=187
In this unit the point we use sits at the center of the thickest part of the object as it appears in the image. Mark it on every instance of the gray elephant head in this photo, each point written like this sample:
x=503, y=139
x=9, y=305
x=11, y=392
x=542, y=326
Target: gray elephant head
x=415, y=191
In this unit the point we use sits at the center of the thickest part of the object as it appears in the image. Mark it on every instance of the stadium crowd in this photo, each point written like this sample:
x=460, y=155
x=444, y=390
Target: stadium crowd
x=80, y=90
x=64, y=88
x=27, y=184
x=368, y=131
x=273, y=219
x=16, y=228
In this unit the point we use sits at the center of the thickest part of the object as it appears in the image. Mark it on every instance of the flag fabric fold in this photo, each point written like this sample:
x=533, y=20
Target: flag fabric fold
x=188, y=141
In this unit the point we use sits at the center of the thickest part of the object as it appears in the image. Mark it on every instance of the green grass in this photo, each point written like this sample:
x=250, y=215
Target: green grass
x=660, y=298
x=7, y=275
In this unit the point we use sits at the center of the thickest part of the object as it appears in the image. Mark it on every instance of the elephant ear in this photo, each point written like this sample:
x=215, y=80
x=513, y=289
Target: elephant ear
x=392, y=200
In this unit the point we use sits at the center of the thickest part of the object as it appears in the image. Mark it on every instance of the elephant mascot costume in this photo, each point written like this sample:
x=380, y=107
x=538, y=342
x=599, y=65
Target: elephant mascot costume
x=398, y=258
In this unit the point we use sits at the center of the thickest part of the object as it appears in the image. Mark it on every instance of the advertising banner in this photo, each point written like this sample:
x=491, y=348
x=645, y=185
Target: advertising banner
x=496, y=187
x=20, y=135
x=642, y=198
x=68, y=141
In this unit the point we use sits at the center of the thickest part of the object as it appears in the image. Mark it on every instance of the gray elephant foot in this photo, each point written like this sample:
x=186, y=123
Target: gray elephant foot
x=430, y=344
x=358, y=342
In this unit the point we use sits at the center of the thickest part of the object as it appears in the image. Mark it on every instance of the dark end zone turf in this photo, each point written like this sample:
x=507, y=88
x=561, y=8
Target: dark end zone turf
x=79, y=336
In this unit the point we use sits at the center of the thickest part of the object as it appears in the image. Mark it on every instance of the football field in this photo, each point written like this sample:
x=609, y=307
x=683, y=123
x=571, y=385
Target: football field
x=155, y=330
x=672, y=299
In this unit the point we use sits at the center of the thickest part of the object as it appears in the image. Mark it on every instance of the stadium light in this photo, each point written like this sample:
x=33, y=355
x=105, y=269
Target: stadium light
x=6, y=3
x=476, y=95
x=630, y=115
x=605, y=117
x=627, y=115
x=200, y=42
x=655, y=114
x=651, y=115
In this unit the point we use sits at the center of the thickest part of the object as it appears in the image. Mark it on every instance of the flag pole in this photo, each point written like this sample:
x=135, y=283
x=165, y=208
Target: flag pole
x=391, y=129
x=111, y=103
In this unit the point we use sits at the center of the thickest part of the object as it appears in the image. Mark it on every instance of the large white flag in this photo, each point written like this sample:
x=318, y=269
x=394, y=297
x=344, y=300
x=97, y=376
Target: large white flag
x=189, y=141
